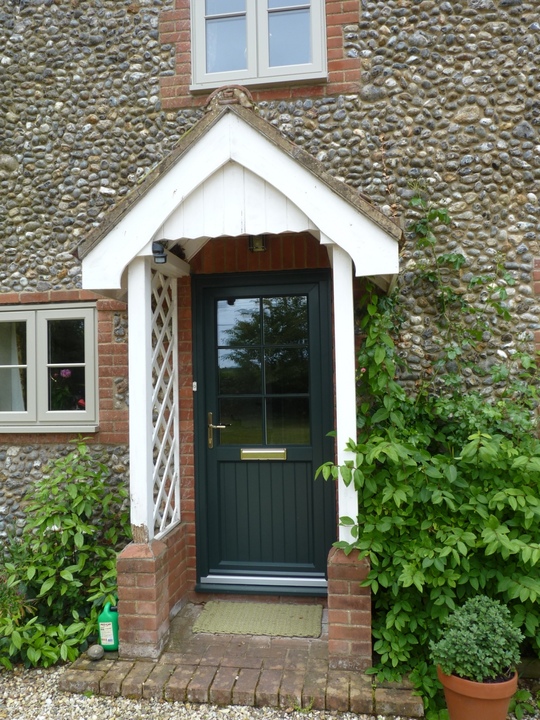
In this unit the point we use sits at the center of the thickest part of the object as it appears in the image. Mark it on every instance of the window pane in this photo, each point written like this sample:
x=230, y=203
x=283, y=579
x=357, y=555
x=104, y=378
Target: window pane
x=222, y=7
x=66, y=347
x=66, y=341
x=226, y=44
x=243, y=416
x=285, y=320
x=238, y=322
x=288, y=421
x=286, y=4
x=66, y=388
x=239, y=371
x=289, y=37
x=286, y=370
x=13, y=379
x=13, y=390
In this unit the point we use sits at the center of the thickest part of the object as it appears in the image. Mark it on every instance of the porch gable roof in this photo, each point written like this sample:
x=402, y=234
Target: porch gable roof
x=234, y=134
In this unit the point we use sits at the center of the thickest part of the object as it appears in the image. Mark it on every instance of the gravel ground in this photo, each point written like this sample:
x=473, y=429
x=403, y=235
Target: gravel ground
x=34, y=695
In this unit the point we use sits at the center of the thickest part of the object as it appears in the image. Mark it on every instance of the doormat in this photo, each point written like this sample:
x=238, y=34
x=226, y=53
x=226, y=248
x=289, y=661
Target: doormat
x=242, y=618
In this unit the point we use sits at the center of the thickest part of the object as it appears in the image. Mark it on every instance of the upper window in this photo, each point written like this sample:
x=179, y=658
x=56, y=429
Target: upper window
x=257, y=41
x=47, y=369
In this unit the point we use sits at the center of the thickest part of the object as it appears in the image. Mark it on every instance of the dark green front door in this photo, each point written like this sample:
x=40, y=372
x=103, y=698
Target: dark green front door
x=264, y=407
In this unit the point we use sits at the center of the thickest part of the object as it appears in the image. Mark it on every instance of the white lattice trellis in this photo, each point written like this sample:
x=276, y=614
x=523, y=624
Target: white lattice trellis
x=165, y=435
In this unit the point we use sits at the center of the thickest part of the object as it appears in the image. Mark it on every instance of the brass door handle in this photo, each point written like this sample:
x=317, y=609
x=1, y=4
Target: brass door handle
x=211, y=428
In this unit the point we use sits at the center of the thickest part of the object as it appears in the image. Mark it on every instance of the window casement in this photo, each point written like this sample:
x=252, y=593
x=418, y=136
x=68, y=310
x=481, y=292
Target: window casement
x=48, y=369
x=256, y=41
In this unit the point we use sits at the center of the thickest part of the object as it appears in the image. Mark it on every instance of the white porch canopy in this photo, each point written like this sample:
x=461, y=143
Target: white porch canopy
x=233, y=174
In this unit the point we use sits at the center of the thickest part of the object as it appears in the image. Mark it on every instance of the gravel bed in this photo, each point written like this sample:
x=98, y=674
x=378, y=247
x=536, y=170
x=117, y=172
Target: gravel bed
x=34, y=695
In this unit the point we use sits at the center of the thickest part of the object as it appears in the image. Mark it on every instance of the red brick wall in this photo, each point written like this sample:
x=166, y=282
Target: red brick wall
x=290, y=251
x=143, y=607
x=343, y=72
x=349, y=612
x=112, y=363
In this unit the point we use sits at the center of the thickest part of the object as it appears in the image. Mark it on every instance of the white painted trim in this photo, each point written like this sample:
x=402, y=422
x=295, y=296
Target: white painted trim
x=372, y=250
x=140, y=397
x=316, y=582
x=174, y=267
x=345, y=376
x=258, y=69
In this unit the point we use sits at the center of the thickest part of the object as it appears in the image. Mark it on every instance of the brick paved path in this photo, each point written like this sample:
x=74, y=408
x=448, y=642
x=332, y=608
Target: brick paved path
x=240, y=670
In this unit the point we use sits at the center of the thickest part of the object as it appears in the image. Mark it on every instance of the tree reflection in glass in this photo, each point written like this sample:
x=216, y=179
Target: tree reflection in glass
x=263, y=362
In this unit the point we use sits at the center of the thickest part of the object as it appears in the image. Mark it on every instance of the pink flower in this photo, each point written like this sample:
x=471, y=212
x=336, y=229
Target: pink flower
x=65, y=373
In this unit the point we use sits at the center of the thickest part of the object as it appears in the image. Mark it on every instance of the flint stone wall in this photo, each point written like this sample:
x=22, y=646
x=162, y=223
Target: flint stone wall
x=22, y=465
x=448, y=96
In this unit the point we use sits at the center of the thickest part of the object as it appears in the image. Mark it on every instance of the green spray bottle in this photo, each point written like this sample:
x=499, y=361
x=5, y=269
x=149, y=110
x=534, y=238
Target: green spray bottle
x=108, y=627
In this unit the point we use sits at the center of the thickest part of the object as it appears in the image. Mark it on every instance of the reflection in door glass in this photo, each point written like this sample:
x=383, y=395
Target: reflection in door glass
x=263, y=370
x=239, y=371
x=243, y=417
x=286, y=370
x=287, y=421
x=238, y=322
x=285, y=320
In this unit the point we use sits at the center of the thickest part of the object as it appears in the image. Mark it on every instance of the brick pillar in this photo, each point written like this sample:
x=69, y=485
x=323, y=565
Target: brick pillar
x=349, y=612
x=143, y=599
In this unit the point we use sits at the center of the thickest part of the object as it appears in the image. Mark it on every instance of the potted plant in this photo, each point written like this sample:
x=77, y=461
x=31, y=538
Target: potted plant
x=476, y=660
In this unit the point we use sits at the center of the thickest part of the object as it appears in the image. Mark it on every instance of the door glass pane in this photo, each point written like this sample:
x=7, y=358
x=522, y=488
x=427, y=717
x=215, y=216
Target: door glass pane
x=289, y=37
x=287, y=421
x=226, y=44
x=286, y=370
x=66, y=380
x=223, y=7
x=243, y=417
x=238, y=322
x=286, y=320
x=239, y=371
x=13, y=371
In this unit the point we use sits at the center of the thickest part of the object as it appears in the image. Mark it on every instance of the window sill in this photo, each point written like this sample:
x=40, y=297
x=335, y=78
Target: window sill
x=32, y=429
x=261, y=82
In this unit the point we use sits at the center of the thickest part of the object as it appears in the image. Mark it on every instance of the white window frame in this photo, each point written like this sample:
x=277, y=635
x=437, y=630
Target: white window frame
x=37, y=417
x=258, y=70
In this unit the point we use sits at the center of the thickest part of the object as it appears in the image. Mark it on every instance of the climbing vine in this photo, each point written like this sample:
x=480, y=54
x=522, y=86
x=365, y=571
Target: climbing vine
x=447, y=474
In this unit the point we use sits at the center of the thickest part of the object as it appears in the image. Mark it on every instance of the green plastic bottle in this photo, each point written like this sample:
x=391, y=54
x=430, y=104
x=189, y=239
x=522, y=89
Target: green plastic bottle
x=108, y=627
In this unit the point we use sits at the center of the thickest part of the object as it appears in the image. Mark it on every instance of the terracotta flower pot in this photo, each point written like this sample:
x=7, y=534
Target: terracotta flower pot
x=482, y=701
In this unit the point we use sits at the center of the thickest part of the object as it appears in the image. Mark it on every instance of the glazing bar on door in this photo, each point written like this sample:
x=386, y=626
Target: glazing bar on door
x=263, y=454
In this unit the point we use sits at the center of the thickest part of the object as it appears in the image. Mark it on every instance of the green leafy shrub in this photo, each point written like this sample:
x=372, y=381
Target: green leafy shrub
x=448, y=477
x=12, y=601
x=479, y=643
x=65, y=560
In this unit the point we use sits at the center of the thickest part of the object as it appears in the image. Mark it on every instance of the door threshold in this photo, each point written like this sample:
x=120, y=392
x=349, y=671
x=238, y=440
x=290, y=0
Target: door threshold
x=314, y=586
x=249, y=589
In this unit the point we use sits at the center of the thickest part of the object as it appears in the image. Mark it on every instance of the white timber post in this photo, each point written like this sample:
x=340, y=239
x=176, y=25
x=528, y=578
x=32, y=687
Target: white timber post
x=345, y=377
x=140, y=399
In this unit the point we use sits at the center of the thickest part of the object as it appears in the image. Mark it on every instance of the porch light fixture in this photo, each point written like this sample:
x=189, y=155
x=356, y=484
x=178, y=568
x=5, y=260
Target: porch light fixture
x=158, y=251
x=257, y=243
